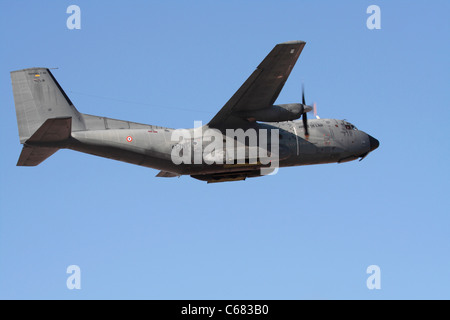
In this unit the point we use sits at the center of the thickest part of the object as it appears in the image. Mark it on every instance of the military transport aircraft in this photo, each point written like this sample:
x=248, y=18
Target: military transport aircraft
x=48, y=121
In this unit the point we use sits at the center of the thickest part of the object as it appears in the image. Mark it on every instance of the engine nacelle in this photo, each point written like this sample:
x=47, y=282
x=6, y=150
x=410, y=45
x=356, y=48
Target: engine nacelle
x=277, y=113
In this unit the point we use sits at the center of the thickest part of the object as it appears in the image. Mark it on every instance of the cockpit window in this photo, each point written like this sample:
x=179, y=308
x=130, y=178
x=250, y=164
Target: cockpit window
x=350, y=127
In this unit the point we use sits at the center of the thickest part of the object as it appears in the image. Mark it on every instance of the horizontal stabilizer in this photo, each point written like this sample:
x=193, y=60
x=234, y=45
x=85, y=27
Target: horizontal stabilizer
x=51, y=131
x=32, y=156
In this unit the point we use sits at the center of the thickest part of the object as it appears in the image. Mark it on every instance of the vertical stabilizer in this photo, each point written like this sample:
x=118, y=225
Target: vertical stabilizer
x=38, y=97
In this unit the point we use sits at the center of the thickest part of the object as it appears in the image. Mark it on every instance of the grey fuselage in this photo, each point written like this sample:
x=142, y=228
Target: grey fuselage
x=329, y=141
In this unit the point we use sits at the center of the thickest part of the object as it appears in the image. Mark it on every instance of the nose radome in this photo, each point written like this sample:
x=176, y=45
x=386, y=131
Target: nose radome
x=374, y=143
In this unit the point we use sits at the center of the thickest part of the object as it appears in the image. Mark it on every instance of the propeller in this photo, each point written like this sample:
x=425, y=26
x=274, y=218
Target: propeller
x=306, y=109
x=304, y=116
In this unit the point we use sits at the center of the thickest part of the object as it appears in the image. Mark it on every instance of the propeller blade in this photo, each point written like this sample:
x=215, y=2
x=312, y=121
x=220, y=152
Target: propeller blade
x=303, y=94
x=304, y=116
x=305, y=124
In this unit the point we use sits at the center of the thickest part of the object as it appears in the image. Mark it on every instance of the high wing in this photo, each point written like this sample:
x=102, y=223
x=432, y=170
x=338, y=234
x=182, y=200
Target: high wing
x=262, y=88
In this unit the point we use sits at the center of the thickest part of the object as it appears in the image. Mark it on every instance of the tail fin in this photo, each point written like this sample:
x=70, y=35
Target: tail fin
x=45, y=141
x=38, y=97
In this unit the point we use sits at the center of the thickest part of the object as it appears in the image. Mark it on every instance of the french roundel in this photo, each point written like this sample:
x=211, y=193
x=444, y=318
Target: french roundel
x=129, y=138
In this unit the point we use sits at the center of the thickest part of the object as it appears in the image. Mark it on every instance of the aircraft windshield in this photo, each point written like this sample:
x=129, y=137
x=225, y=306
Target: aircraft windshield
x=349, y=126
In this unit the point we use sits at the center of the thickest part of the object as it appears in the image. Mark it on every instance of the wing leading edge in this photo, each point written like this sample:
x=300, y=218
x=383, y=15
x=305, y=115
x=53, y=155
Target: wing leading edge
x=263, y=86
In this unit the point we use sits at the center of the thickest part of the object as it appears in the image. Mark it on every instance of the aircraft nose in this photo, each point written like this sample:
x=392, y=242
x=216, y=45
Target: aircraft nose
x=374, y=143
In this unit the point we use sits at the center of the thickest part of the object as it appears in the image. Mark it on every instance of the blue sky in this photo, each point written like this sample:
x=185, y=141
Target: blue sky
x=307, y=232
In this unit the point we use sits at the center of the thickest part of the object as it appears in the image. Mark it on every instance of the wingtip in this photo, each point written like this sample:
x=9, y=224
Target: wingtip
x=293, y=42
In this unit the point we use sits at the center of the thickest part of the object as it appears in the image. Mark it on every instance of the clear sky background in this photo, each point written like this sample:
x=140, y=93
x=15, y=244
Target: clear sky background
x=307, y=232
